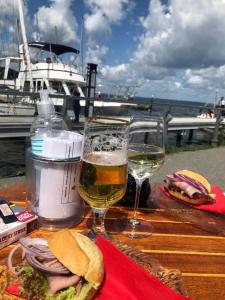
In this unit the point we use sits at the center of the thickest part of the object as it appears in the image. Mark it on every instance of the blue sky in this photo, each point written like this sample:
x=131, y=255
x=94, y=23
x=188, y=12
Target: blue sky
x=170, y=49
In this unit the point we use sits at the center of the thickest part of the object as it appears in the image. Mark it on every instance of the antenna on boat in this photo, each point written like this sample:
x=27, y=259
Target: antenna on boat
x=215, y=99
x=82, y=46
x=37, y=27
x=56, y=35
x=18, y=35
x=25, y=44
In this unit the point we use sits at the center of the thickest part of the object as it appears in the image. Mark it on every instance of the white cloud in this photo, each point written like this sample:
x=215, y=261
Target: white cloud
x=185, y=34
x=96, y=54
x=8, y=28
x=103, y=14
x=96, y=25
x=113, y=10
x=181, y=50
x=58, y=18
x=207, y=78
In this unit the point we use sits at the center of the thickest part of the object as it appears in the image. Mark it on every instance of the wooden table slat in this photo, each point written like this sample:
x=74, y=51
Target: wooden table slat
x=198, y=254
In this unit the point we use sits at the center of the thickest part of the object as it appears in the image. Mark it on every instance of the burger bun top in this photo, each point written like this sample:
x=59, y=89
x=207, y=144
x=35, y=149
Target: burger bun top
x=78, y=254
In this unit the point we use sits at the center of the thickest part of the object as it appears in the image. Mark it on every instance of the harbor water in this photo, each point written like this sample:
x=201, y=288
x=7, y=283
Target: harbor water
x=12, y=150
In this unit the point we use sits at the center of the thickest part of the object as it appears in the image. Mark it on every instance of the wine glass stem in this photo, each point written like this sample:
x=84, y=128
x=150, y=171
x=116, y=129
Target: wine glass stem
x=136, y=202
x=99, y=221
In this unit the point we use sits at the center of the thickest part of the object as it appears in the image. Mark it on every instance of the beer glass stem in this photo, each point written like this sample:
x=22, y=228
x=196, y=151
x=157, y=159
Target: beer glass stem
x=134, y=220
x=98, y=221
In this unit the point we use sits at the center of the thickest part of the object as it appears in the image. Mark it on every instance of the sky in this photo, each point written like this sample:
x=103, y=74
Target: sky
x=172, y=49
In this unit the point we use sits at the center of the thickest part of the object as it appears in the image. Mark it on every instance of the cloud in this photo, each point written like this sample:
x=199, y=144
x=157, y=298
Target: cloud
x=113, y=10
x=96, y=54
x=98, y=22
x=96, y=26
x=185, y=34
x=8, y=27
x=205, y=78
x=57, y=18
x=180, y=52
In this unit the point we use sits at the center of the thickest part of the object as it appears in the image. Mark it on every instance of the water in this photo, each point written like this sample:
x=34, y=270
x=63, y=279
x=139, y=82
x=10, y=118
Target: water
x=12, y=157
x=12, y=151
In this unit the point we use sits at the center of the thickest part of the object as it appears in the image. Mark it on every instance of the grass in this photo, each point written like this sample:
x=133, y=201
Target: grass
x=173, y=149
x=20, y=172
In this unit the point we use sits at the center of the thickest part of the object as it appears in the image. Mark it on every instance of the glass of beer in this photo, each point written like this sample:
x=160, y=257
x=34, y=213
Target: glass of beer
x=103, y=174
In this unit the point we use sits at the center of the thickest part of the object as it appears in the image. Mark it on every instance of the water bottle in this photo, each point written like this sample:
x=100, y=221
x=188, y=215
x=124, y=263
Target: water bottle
x=45, y=123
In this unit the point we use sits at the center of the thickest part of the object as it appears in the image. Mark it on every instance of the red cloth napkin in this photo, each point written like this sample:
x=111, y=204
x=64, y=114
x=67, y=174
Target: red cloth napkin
x=125, y=279
x=217, y=207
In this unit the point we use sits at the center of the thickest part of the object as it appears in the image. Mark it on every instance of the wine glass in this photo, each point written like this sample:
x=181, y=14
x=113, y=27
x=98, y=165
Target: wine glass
x=146, y=154
x=103, y=174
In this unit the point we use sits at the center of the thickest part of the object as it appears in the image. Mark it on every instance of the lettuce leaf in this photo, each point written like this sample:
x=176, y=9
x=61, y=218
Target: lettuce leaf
x=34, y=285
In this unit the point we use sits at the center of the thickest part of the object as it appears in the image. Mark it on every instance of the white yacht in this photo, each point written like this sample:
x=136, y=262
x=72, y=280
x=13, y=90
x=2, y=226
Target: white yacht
x=44, y=71
x=42, y=65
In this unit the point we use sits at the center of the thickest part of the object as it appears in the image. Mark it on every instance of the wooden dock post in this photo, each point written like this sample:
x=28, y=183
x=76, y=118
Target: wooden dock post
x=167, y=117
x=179, y=138
x=190, y=135
x=217, y=126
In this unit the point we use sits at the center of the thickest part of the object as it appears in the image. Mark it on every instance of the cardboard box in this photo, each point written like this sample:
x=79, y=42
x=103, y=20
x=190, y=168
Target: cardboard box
x=26, y=222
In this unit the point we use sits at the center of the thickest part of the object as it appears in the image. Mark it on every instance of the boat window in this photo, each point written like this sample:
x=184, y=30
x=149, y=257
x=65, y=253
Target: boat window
x=44, y=86
x=27, y=86
x=34, y=86
x=72, y=88
x=57, y=86
x=39, y=85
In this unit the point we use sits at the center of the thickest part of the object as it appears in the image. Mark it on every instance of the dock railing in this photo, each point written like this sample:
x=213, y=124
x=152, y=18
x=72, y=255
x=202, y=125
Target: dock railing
x=172, y=123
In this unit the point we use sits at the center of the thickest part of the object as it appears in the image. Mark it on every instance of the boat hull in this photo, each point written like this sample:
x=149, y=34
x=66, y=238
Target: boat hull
x=11, y=109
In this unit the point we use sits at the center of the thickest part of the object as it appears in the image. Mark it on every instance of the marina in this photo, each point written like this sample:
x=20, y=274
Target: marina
x=112, y=127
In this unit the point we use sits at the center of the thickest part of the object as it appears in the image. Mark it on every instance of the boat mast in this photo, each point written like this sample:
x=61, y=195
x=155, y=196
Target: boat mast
x=82, y=46
x=25, y=44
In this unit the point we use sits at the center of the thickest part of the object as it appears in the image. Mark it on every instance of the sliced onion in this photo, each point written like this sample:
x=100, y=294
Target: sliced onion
x=36, y=246
x=172, y=178
x=192, y=182
x=10, y=263
x=34, y=262
x=39, y=256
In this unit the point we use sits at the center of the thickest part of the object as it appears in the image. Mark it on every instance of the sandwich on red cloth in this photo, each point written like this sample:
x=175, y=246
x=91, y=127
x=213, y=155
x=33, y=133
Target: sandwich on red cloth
x=124, y=279
x=193, y=189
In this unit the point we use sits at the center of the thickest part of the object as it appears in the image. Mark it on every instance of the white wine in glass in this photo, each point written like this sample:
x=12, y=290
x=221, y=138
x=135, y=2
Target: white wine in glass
x=146, y=155
x=144, y=160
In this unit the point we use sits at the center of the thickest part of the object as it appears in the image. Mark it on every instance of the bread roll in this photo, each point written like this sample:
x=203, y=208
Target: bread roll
x=79, y=254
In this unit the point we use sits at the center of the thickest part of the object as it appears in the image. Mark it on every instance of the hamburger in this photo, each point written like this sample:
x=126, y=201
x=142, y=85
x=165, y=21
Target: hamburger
x=189, y=187
x=65, y=266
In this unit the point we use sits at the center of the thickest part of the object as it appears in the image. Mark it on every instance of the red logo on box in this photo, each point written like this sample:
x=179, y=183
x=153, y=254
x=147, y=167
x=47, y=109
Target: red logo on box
x=25, y=216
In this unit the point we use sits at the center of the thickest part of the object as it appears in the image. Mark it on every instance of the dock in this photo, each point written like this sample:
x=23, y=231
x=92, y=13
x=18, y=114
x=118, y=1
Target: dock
x=19, y=126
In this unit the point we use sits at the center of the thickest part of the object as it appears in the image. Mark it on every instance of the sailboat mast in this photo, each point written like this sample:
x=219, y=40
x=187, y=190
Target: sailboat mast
x=25, y=44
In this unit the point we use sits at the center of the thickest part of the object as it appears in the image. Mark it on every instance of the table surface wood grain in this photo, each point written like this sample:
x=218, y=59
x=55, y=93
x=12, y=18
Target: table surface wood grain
x=198, y=254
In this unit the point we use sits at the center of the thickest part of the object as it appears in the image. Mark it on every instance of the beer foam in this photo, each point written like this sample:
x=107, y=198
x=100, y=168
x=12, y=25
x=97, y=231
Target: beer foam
x=115, y=158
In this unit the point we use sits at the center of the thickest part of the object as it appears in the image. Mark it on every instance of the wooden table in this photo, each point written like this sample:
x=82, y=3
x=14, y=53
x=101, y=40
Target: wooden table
x=198, y=254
